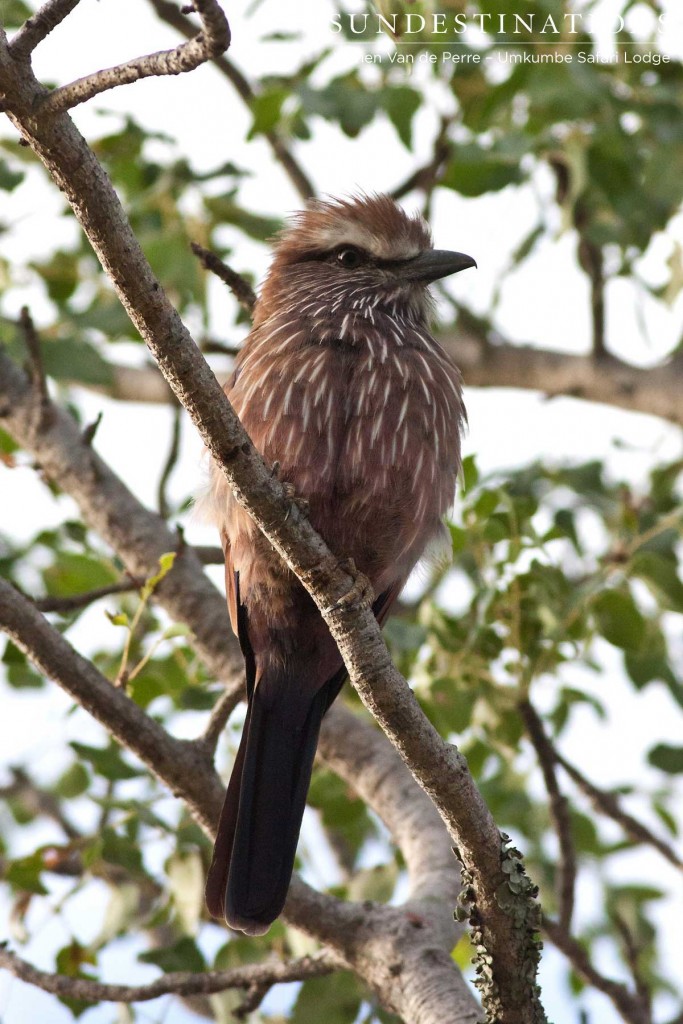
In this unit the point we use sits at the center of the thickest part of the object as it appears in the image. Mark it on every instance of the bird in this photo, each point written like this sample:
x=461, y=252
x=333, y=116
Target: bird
x=342, y=387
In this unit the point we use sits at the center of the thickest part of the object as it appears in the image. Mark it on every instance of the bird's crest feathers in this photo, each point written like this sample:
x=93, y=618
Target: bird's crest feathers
x=374, y=223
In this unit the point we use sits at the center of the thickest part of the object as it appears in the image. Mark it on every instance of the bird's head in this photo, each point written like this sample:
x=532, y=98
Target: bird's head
x=361, y=253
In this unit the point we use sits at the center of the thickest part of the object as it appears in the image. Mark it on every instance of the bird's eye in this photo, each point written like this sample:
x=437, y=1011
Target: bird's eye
x=349, y=257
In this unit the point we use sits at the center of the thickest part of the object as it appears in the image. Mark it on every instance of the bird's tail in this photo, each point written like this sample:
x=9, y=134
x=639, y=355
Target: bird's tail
x=264, y=805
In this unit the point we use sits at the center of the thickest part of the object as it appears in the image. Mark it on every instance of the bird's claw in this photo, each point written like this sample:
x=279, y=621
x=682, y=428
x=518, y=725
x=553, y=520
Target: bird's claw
x=290, y=493
x=361, y=589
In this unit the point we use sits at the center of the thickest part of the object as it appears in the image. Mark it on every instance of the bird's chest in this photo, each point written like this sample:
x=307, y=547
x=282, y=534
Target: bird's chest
x=370, y=416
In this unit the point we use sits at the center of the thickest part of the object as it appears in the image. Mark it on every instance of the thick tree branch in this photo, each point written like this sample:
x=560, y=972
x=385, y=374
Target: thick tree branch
x=655, y=391
x=139, y=537
x=180, y=983
x=176, y=762
x=213, y=40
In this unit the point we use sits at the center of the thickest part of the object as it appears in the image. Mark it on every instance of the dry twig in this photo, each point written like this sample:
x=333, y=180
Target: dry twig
x=213, y=40
x=238, y=285
x=559, y=810
x=180, y=983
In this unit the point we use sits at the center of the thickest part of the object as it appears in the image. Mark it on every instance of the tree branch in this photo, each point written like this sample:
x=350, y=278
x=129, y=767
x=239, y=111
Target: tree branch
x=169, y=465
x=610, y=381
x=38, y=27
x=629, y=1005
x=179, y=983
x=238, y=285
x=608, y=804
x=176, y=762
x=37, y=800
x=204, y=46
x=559, y=810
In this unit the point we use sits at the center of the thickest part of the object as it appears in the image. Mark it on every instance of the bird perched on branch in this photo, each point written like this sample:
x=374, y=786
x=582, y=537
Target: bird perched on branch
x=341, y=384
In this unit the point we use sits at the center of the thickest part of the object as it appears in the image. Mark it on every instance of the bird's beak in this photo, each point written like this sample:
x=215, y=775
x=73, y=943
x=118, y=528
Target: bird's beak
x=435, y=263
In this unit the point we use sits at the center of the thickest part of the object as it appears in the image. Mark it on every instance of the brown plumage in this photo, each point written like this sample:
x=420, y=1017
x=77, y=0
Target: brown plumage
x=341, y=384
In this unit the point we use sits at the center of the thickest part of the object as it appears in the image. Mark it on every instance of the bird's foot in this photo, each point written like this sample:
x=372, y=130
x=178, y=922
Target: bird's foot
x=361, y=589
x=290, y=492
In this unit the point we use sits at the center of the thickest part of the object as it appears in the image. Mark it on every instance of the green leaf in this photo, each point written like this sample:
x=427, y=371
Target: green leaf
x=666, y=757
x=13, y=13
x=73, y=360
x=474, y=170
x=401, y=104
x=185, y=873
x=470, y=473
x=345, y=99
x=106, y=761
x=376, y=883
x=226, y=210
x=73, y=782
x=121, y=850
x=661, y=574
x=618, y=619
x=73, y=573
x=24, y=873
x=19, y=671
x=266, y=109
x=9, y=179
x=183, y=955
x=335, y=1000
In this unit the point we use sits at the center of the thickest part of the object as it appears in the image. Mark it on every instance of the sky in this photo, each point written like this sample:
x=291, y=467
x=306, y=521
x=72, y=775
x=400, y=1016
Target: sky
x=544, y=303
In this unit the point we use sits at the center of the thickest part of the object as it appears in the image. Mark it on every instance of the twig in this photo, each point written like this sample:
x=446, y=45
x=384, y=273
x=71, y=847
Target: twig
x=608, y=804
x=76, y=601
x=559, y=809
x=39, y=26
x=203, y=46
x=169, y=465
x=179, y=764
x=179, y=983
x=169, y=13
x=591, y=261
x=209, y=554
x=220, y=713
x=238, y=285
x=628, y=1004
x=426, y=177
x=39, y=801
x=91, y=429
x=632, y=951
x=35, y=358
x=211, y=347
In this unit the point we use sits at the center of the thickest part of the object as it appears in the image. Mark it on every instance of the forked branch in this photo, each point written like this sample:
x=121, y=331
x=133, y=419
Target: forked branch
x=213, y=40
